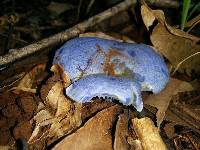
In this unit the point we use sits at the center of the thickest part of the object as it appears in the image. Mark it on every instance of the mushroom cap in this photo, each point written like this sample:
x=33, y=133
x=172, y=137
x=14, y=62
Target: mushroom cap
x=137, y=63
x=123, y=89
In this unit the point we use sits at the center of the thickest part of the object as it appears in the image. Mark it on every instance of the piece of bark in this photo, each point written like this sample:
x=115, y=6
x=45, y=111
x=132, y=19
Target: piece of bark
x=148, y=134
x=121, y=133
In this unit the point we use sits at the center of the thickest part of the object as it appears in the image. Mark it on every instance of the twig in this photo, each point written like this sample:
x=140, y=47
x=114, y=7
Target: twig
x=9, y=38
x=90, y=6
x=185, y=59
x=192, y=23
x=79, y=9
x=16, y=54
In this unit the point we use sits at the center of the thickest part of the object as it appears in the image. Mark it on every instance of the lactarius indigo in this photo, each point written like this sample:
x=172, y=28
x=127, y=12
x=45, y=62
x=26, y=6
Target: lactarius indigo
x=107, y=68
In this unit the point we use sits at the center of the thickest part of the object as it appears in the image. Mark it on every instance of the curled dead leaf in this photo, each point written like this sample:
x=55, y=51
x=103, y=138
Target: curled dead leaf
x=193, y=22
x=30, y=79
x=176, y=45
x=59, y=70
x=59, y=116
x=161, y=101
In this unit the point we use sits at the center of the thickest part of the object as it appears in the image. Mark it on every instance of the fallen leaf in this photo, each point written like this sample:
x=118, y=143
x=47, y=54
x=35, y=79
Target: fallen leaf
x=147, y=16
x=190, y=140
x=179, y=47
x=6, y=147
x=193, y=22
x=161, y=100
x=185, y=105
x=41, y=119
x=58, y=116
x=95, y=134
x=27, y=83
x=59, y=72
x=52, y=98
x=90, y=108
x=169, y=130
x=175, y=120
x=16, y=112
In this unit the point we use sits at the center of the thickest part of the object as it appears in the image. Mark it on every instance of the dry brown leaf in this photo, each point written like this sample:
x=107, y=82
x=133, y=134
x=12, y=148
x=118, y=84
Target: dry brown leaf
x=135, y=144
x=193, y=22
x=27, y=82
x=147, y=16
x=161, y=100
x=68, y=116
x=90, y=108
x=180, y=48
x=59, y=116
x=59, y=71
x=184, y=107
x=41, y=119
x=169, y=130
x=95, y=134
x=52, y=98
x=5, y=147
x=174, y=120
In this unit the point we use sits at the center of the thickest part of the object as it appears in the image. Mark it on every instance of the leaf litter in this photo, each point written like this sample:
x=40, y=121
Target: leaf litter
x=180, y=48
x=162, y=100
x=59, y=116
x=99, y=123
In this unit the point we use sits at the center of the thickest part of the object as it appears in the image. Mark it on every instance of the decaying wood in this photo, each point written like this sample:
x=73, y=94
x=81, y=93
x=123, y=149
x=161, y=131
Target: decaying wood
x=47, y=43
x=148, y=134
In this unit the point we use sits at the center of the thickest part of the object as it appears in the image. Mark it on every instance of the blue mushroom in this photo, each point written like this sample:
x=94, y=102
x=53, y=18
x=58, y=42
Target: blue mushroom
x=100, y=67
x=123, y=89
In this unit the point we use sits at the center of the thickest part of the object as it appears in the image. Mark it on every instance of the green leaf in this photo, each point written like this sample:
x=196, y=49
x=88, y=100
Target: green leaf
x=196, y=7
x=186, y=6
